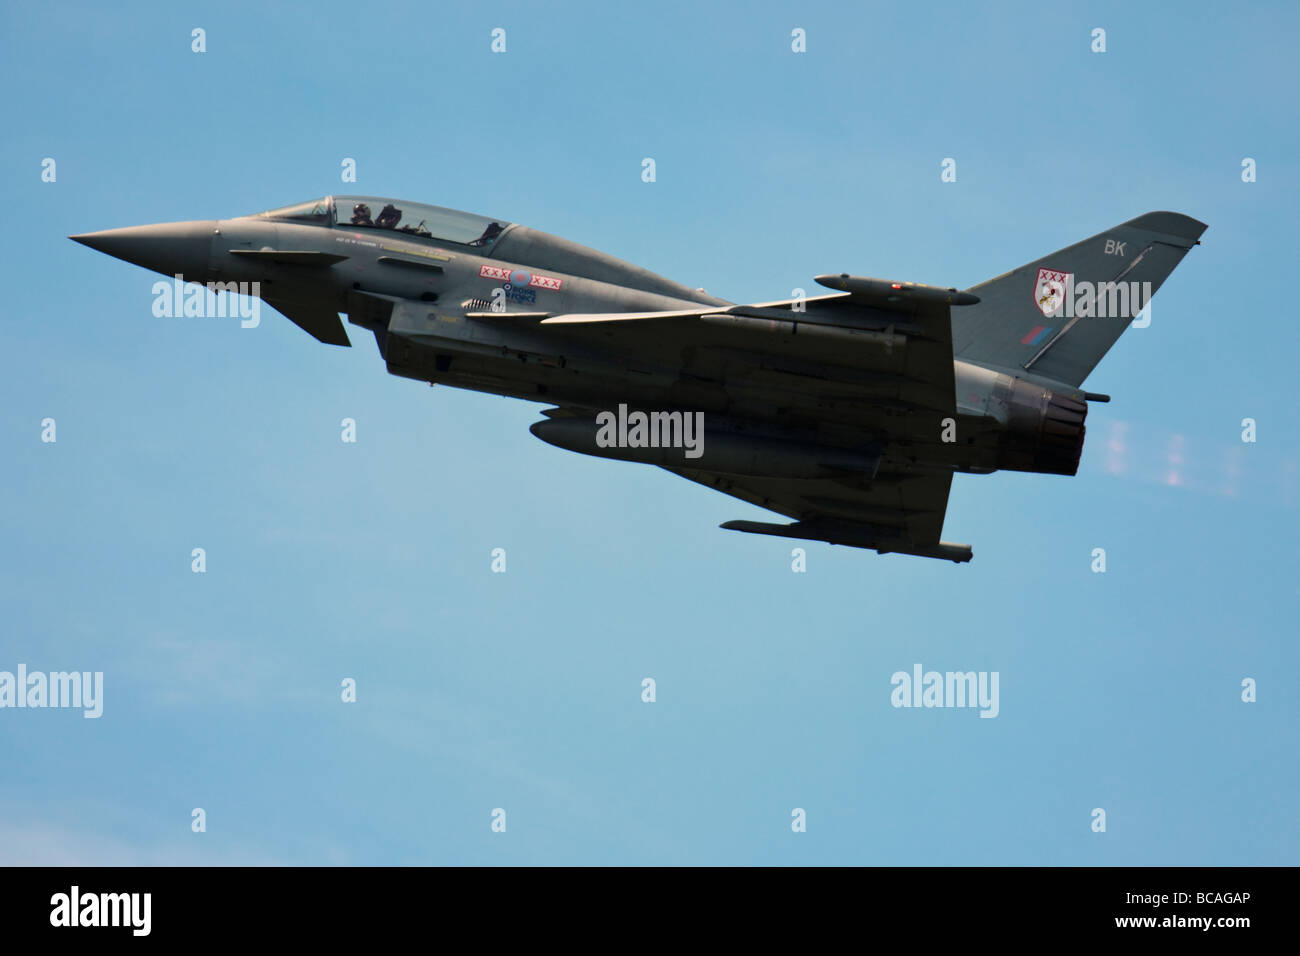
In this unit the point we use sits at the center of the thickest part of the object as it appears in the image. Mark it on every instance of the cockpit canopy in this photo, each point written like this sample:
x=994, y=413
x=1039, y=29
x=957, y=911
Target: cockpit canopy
x=412, y=219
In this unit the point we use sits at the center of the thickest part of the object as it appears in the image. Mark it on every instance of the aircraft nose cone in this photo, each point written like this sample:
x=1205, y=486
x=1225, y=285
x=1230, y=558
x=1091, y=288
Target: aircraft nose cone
x=171, y=248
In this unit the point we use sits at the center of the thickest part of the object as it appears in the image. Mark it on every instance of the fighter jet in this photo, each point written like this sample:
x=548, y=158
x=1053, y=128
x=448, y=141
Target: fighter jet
x=847, y=412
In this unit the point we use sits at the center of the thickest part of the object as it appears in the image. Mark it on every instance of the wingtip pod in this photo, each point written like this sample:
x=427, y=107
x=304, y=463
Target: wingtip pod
x=854, y=538
x=885, y=289
x=944, y=551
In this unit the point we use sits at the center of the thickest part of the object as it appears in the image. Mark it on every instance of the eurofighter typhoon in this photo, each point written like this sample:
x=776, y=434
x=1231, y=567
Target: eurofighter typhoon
x=848, y=413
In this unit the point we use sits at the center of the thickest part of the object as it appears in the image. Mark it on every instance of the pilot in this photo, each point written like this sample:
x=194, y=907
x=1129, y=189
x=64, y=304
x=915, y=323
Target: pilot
x=388, y=217
x=361, y=215
x=491, y=232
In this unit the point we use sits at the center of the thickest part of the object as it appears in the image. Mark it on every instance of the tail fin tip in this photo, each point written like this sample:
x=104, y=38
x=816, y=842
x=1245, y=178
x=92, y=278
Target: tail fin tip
x=1171, y=224
x=1028, y=319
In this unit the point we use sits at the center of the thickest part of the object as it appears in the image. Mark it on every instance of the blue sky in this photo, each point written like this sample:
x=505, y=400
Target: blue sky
x=522, y=690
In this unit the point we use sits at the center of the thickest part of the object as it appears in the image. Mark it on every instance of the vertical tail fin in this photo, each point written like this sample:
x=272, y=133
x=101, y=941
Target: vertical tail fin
x=1058, y=316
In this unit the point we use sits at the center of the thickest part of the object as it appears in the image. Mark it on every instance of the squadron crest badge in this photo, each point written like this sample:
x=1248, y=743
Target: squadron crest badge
x=1050, y=289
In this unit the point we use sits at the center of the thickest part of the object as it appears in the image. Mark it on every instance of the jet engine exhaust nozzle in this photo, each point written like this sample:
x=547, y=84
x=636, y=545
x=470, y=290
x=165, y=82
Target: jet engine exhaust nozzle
x=1045, y=432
